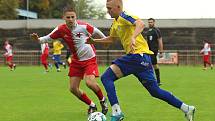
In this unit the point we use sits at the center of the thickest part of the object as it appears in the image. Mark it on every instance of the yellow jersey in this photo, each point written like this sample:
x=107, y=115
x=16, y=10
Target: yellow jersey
x=124, y=27
x=57, y=47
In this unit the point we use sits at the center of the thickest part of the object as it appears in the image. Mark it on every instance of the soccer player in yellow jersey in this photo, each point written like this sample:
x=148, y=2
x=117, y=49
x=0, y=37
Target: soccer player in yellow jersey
x=57, y=47
x=137, y=61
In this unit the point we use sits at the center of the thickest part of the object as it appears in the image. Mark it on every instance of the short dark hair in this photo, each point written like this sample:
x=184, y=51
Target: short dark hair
x=151, y=19
x=68, y=9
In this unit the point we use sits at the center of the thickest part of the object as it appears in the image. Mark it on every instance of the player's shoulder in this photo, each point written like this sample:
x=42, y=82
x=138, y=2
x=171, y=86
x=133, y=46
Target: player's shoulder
x=62, y=26
x=156, y=28
x=128, y=17
x=79, y=22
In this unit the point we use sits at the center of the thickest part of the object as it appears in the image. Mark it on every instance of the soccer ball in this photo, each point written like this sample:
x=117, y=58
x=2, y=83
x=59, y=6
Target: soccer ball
x=97, y=116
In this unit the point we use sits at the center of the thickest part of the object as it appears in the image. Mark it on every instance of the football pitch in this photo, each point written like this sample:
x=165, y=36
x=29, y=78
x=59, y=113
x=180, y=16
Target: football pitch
x=28, y=94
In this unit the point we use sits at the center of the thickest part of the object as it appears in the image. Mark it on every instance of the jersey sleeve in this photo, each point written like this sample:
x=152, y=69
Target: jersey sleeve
x=113, y=31
x=55, y=34
x=158, y=32
x=90, y=29
x=97, y=31
x=129, y=18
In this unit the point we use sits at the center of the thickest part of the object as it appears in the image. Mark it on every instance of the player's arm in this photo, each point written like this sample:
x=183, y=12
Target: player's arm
x=48, y=38
x=44, y=39
x=160, y=42
x=98, y=32
x=106, y=40
x=61, y=46
x=139, y=25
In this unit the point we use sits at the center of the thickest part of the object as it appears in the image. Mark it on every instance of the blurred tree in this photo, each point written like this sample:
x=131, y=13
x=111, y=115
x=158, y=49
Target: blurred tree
x=53, y=8
x=8, y=9
x=87, y=9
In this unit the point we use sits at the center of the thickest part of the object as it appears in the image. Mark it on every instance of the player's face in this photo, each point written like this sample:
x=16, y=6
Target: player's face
x=70, y=18
x=112, y=9
x=151, y=23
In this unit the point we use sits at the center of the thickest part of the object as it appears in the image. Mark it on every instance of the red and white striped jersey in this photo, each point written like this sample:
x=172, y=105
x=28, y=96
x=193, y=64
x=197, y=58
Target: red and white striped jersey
x=75, y=39
x=45, y=48
x=9, y=51
x=207, y=49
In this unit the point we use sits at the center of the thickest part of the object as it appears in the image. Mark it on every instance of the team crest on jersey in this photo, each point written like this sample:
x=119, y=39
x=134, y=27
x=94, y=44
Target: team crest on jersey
x=119, y=28
x=144, y=63
x=79, y=34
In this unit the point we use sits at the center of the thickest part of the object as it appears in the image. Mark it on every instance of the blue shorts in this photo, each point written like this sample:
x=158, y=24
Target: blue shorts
x=56, y=58
x=137, y=64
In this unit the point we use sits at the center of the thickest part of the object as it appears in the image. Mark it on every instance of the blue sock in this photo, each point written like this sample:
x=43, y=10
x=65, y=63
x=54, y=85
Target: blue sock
x=56, y=65
x=108, y=79
x=156, y=92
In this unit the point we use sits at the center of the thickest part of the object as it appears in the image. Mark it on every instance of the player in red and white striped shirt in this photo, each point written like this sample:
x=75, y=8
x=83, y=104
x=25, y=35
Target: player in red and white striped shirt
x=84, y=65
x=44, y=56
x=206, y=51
x=9, y=55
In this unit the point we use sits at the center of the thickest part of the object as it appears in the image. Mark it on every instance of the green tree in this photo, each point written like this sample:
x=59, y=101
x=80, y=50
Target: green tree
x=87, y=9
x=8, y=9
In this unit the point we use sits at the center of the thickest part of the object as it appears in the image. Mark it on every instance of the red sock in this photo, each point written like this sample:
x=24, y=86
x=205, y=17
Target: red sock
x=100, y=94
x=85, y=99
x=10, y=65
x=46, y=66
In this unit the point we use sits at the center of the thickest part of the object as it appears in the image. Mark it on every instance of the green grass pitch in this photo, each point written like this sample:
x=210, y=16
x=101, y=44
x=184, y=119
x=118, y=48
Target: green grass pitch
x=27, y=94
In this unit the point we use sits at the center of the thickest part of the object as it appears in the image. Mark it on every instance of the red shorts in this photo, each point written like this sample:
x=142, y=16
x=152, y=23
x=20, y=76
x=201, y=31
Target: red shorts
x=9, y=58
x=206, y=58
x=81, y=68
x=44, y=58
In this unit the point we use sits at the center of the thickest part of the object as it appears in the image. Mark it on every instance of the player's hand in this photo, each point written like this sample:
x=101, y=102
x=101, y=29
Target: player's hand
x=133, y=41
x=90, y=40
x=34, y=36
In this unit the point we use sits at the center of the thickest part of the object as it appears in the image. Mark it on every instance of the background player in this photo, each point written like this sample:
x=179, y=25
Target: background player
x=84, y=65
x=44, y=55
x=9, y=55
x=136, y=61
x=57, y=47
x=155, y=43
x=206, y=52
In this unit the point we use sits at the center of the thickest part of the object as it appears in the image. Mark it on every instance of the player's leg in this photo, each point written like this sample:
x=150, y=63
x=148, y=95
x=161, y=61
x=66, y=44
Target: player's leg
x=9, y=61
x=108, y=78
x=93, y=85
x=209, y=62
x=74, y=88
x=205, y=58
x=60, y=62
x=55, y=59
x=44, y=61
x=157, y=73
x=146, y=77
x=91, y=72
x=156, y=67
x=168, y=97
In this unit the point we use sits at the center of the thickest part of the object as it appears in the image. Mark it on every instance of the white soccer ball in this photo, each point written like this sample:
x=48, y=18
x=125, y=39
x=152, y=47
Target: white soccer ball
x=97, y=116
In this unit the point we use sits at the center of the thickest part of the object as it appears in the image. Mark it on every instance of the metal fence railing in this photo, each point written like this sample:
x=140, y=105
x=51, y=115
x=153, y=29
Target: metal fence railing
x=104, y=57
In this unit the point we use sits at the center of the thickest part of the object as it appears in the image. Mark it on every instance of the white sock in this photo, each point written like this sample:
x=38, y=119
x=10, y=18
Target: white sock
x=103, y=99
x=92, y=104
x=184, y=107
x=116, y=110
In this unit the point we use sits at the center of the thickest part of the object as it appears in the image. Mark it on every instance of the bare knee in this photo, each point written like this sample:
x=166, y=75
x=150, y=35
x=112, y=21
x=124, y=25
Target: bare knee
x=91, y=84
